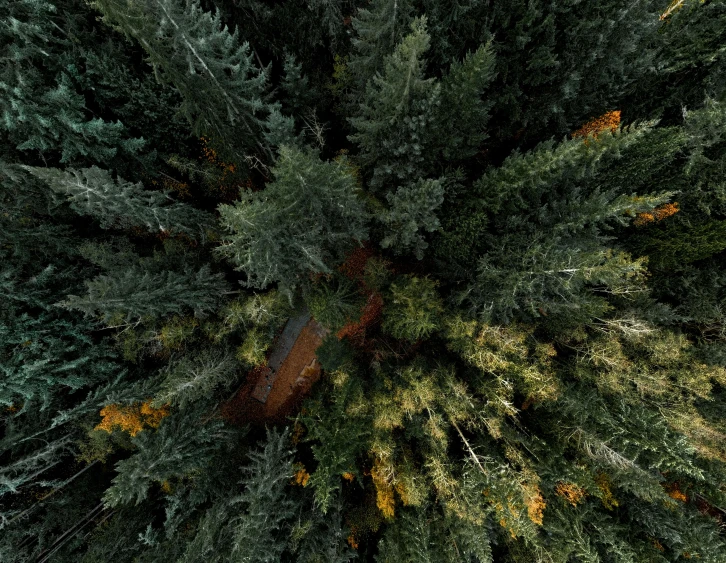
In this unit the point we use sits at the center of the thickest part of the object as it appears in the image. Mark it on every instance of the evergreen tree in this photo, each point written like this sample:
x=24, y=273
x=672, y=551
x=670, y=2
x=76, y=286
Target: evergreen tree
x=392, y=123
x=136, y=288
x=42, y=109
x=301, y=224
x=92, y=191
x=221, y=87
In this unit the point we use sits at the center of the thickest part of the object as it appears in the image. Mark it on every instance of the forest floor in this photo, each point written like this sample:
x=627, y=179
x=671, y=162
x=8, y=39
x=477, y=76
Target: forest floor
x=272, y=395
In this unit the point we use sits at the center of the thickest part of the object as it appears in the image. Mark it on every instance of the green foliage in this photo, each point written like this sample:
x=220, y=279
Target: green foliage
x=132, y=292
x=221, y=87
x=301, y=224
x=118, y=203
x=392, y=123
x=545, y=383
x=180, y=447
x=378, y=31
x=412, y=210
x=194, y=378
x=334, y=303
x=413, y=310
x=43, y=111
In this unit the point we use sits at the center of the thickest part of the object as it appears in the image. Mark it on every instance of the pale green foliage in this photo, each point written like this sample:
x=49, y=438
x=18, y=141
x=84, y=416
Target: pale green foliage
x=196, y=377
x=301, y=224
x=118, y=203
x=542, y=278
x=254, y=347
x=413, y=310
x=412, y=210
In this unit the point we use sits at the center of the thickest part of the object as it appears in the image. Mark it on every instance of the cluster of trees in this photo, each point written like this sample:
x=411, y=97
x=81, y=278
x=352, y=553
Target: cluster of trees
x=510, y=215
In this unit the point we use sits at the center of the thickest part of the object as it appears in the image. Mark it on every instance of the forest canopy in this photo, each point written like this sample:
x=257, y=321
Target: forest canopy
x=388, y=280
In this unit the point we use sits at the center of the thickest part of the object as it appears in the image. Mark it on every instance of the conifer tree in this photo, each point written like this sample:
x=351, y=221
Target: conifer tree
x=42, y=110
x=378, y=30
x=220, y=84
x=412, y=211
x=118, y=203
x=301, y=224
x=392, y=123
x=134, y=289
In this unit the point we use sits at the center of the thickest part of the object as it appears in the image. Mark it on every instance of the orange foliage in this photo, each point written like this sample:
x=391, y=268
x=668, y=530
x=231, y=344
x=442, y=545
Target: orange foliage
x=372, y=311
x=570, y=492
x=535, y=504
x=301, y=476
x=229, y=185
x=352, y=541
x=355, y=263
x=348, y=477
x=673, y=491
x=131, y=418
x=658, y=214
x=172, y=185
x=607, y=122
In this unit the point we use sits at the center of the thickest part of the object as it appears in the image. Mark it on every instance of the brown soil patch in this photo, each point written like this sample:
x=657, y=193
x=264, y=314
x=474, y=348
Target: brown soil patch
x=292, y=382
x=299, y=370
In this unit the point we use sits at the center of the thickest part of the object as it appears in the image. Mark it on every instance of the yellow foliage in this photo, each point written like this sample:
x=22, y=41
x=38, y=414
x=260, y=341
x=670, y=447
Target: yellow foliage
x=535, y=503
x=131, y=418
x=570, y=492
x=385, y=499
x=603, y=483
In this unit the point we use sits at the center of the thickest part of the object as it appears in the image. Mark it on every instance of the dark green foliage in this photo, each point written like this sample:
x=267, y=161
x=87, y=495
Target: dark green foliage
x=512, y=212
x=180, y=447
x=43, y=111
x=135, y=288
x=392, y=125
x=300, y=225
x=221, y=87
x=412, y=210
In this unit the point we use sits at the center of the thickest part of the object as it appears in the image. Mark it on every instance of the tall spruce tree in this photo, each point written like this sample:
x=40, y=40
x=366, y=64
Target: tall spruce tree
x=301, y=224
x=221, y=86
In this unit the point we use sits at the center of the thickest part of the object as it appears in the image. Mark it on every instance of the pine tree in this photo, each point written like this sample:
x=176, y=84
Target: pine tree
x=392, y=123
x=180, y=447
x=42, y=109
x=221, y=86
x=301, y=224
x=414, y=309
x=378, y=31
x=412, y=210
x=134, y=289
x=118, y=203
